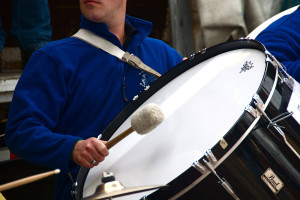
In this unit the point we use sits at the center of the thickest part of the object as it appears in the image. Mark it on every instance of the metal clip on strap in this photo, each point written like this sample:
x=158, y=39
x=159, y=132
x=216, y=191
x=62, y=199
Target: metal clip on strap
x=114, y=50
x=136, y=62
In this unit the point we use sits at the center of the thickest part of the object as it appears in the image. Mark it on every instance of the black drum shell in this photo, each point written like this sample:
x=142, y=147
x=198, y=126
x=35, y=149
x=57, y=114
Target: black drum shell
x=243, y=168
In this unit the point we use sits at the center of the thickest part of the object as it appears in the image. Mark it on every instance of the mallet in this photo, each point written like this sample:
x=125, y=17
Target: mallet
x=143, y=121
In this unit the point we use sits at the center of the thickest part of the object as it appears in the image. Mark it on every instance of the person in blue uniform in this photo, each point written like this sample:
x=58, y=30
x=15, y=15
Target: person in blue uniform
x=282, y=40
x=70, y=91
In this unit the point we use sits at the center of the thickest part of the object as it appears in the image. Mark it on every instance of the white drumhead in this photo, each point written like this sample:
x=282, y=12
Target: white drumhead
x=200, y=107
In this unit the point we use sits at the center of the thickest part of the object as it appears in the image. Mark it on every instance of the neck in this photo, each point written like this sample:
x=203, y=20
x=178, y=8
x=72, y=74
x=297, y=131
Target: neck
x=116, y=23
x=118, y=29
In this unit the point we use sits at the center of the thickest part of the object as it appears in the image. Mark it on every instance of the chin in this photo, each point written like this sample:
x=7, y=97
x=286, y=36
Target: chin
x=93, y=16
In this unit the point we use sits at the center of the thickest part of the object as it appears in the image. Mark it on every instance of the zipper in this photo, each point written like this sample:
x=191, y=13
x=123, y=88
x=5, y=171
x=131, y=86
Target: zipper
x=124, y=83
x=124, y=90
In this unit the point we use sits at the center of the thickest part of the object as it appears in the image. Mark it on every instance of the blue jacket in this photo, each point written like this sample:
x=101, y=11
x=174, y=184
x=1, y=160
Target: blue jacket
x=71, y=90
x=282, y=39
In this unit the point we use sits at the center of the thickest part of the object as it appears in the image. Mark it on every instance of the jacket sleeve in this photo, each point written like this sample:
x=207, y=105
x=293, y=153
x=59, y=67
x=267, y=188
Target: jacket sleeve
x=285, y=49
x=38, y=102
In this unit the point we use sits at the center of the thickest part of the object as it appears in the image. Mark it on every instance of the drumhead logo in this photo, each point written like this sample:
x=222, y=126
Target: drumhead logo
x=272, y=181
x=247, y=66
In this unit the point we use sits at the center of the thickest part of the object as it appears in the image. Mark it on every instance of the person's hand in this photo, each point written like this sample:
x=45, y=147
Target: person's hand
x=184, y=58
x=86, y=151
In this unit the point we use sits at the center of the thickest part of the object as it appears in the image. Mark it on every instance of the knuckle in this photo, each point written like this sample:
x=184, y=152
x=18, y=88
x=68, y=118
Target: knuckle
x=88, y=147
x=100, y=158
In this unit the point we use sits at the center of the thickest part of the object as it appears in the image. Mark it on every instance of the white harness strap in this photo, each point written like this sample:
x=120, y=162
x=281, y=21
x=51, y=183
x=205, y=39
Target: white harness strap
x=112, y=49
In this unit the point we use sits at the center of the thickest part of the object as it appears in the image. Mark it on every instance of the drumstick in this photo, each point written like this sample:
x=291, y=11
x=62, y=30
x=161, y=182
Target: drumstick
x=26, y=180
x=143, y=121
x=2, y=197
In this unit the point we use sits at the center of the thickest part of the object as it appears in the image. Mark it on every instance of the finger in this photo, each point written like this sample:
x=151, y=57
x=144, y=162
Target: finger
x=97, y=150
x=95, y=163
x=97, y=157
x=87, y=156
x=88, y=161
x=102, y=149
x=98, y=147
x=87, y=164
x=83, y=158
x=86, y=151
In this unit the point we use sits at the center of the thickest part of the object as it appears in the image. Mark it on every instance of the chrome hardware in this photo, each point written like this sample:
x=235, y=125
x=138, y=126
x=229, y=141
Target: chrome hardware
x=222, y=181
x=274, y=61
x=136, y=62
x=202, y=169
x=252, y=111
x=269, y=60
x=203, y=51
x=191, y=57
x=260, y=107
x=280, y=131
x=289, y=82
x=228, y=188
x=212, y=161
x=211, y=157
x=279, y=118
x=258, y=102
x=210, y=167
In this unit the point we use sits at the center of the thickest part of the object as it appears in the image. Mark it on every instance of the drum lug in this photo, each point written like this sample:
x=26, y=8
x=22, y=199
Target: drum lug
x=209, y=167
x=222, y=181
x=271, y=59
x=211, y=159
x=259, y=105
x=191, y=57
x=203, y=51
x=202, y=169
x=258, y=102
x=252, y=111
x=289, y=82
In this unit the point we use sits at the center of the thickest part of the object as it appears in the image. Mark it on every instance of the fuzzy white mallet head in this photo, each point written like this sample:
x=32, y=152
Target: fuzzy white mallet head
x=147, y=118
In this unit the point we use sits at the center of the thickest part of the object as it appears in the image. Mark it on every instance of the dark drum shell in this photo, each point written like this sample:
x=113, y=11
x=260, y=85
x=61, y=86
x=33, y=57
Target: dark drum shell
x=250, y=152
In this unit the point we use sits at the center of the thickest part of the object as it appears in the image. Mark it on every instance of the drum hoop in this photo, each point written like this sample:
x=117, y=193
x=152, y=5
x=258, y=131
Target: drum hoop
x=228, y=153
x=195, y=59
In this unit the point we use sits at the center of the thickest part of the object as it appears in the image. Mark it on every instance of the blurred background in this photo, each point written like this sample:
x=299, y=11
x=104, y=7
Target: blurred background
x=188, y=26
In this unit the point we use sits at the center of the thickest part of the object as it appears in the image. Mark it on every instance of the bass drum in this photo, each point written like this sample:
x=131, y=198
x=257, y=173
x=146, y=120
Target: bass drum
x=222, y=137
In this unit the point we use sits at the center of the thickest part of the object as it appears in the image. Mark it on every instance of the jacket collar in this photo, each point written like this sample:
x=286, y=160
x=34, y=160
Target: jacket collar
x=143, y=28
